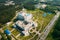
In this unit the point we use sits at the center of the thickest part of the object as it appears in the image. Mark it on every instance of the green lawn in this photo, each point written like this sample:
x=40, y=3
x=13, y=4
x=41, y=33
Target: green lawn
x=38, y=17
x=7, y=27
x=15, y=32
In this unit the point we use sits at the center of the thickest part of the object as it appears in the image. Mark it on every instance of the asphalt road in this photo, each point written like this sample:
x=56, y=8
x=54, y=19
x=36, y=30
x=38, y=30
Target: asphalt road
x=49, y=27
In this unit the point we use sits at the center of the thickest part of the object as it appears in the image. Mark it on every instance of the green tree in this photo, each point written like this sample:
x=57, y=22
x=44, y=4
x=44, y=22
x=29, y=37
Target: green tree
x=56, y=31
x=9, y=37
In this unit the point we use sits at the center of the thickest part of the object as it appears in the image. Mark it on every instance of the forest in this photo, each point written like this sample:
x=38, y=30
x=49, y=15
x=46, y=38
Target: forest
x=56, y=31
x=7, y=13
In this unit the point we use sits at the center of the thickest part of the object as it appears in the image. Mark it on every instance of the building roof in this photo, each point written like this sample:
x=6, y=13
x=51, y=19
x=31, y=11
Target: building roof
x=7, y=32
x=19, y=28
x=20, y=17
x=26, y=24
x=19, y=23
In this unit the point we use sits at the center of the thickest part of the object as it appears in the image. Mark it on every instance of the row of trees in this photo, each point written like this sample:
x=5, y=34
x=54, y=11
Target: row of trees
x=56, y=31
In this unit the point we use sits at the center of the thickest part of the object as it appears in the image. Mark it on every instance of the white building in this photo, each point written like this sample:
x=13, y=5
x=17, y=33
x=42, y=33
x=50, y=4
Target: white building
x=28, y=17
x=27, y=24
x=26, y=27
x=9, y=3
x=43, y=6
x=39, y=5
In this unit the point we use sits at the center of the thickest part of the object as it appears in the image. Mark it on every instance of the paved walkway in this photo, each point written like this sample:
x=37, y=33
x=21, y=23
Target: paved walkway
x=18, y=35
x=12, y=30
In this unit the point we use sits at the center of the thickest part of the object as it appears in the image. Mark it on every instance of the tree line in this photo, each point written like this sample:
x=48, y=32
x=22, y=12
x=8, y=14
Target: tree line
x=56, y=31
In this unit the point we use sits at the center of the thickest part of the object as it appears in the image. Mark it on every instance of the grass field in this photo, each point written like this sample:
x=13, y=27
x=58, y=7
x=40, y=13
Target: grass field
x=40, y=19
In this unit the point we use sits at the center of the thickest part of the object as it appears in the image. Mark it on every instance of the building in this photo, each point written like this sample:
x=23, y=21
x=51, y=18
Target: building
x=24, y=16
x=9, y=3
x=24, y=23
x=43, y=6
x=20, y=17
x=39, y=5
x=28, y=17
x=18, y=27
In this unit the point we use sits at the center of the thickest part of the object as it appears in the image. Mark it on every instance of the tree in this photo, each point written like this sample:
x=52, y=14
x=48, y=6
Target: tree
x=3, y=36
x=9, y=37
x=56, y=31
